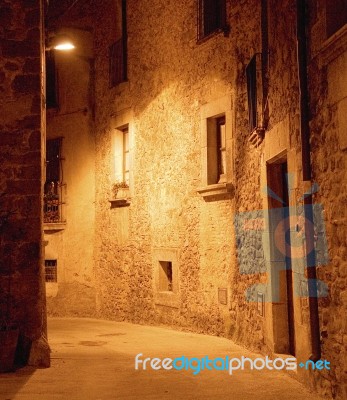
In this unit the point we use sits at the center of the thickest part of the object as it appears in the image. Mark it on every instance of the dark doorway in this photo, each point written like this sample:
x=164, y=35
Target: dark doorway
x=281, y=270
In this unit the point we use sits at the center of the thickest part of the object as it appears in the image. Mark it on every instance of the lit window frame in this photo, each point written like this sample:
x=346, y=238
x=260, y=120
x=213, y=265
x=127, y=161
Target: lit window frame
x=120, y=123
x=213, y=182
x=126, y=155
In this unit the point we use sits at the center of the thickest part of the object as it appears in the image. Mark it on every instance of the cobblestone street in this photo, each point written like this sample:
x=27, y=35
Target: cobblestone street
x=94, y=360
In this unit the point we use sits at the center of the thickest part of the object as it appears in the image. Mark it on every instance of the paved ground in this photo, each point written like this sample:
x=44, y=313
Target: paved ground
x=94, y=360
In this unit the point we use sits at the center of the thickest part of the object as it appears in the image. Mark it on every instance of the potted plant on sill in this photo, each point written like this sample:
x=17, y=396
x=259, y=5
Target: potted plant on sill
x=120, y=190
x=9, y=330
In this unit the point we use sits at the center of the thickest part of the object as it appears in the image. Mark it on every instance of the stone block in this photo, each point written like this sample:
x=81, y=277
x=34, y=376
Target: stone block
x=34, y=34
x=6, y=15
x=15, y=48
x=28, y=172
x=26, y=84
x=32, y=18
x=35, y=140
x=11, y=66
x=30, y=122
x=24, y=187
x=31, y=65
x=40, y=354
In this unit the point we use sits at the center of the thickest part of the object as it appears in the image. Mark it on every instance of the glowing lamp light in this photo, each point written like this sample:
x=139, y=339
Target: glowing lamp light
x=61, y=43
x=64, y=46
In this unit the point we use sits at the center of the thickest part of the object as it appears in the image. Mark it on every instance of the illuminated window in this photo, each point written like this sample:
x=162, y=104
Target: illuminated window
x=122, y=155
x=126, y=156
x=211, y=17
x=216, y=150
x=221, y=146
x=217, y=162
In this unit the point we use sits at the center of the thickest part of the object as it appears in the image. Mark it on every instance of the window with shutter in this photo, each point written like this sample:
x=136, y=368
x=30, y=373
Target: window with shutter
x=211, y=17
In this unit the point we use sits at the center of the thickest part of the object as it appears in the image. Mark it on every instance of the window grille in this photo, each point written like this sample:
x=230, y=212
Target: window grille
x=53, y=193
x=51, y=270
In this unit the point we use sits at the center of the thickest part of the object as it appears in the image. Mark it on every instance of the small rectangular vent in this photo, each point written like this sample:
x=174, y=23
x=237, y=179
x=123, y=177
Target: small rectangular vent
x=165, y=276
x=223, y=296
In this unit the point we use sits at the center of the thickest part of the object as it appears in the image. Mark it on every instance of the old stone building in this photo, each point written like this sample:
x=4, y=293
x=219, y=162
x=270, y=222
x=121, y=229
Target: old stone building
x=201, y=170
x=69, y=189
x=22, y=295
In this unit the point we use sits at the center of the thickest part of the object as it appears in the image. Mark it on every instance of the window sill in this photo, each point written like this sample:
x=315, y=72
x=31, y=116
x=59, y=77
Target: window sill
x=333, y=46
x=117, y=203
x=225, y=30
x=217, y=191
x=120, y=86
x=54, y=226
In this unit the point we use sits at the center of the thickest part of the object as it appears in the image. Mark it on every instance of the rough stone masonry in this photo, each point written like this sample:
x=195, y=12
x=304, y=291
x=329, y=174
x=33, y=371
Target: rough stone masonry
x=21, y=160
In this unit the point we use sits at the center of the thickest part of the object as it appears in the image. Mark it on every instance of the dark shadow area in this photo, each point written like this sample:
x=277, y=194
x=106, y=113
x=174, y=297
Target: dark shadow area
x=11, y=383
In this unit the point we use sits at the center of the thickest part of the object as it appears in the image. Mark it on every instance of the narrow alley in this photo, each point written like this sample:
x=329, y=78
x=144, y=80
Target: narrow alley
x=94, y=360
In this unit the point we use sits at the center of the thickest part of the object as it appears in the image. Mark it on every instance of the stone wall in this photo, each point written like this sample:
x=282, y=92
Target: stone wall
x=247, y=326
x=171, y=79
x=328, y=89
x=72, y=242
x=21, y=156
x=165, y=93
x=328, y=144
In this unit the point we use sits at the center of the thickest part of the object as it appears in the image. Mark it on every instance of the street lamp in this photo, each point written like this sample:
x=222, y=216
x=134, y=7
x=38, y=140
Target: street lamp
x=60, y=42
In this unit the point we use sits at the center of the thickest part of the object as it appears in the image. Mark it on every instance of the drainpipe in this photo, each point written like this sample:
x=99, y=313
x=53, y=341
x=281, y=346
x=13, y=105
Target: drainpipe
x=307, y=176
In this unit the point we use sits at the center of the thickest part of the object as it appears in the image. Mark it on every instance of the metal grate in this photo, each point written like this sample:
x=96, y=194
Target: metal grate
x=51, y=270
x=53, y=194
